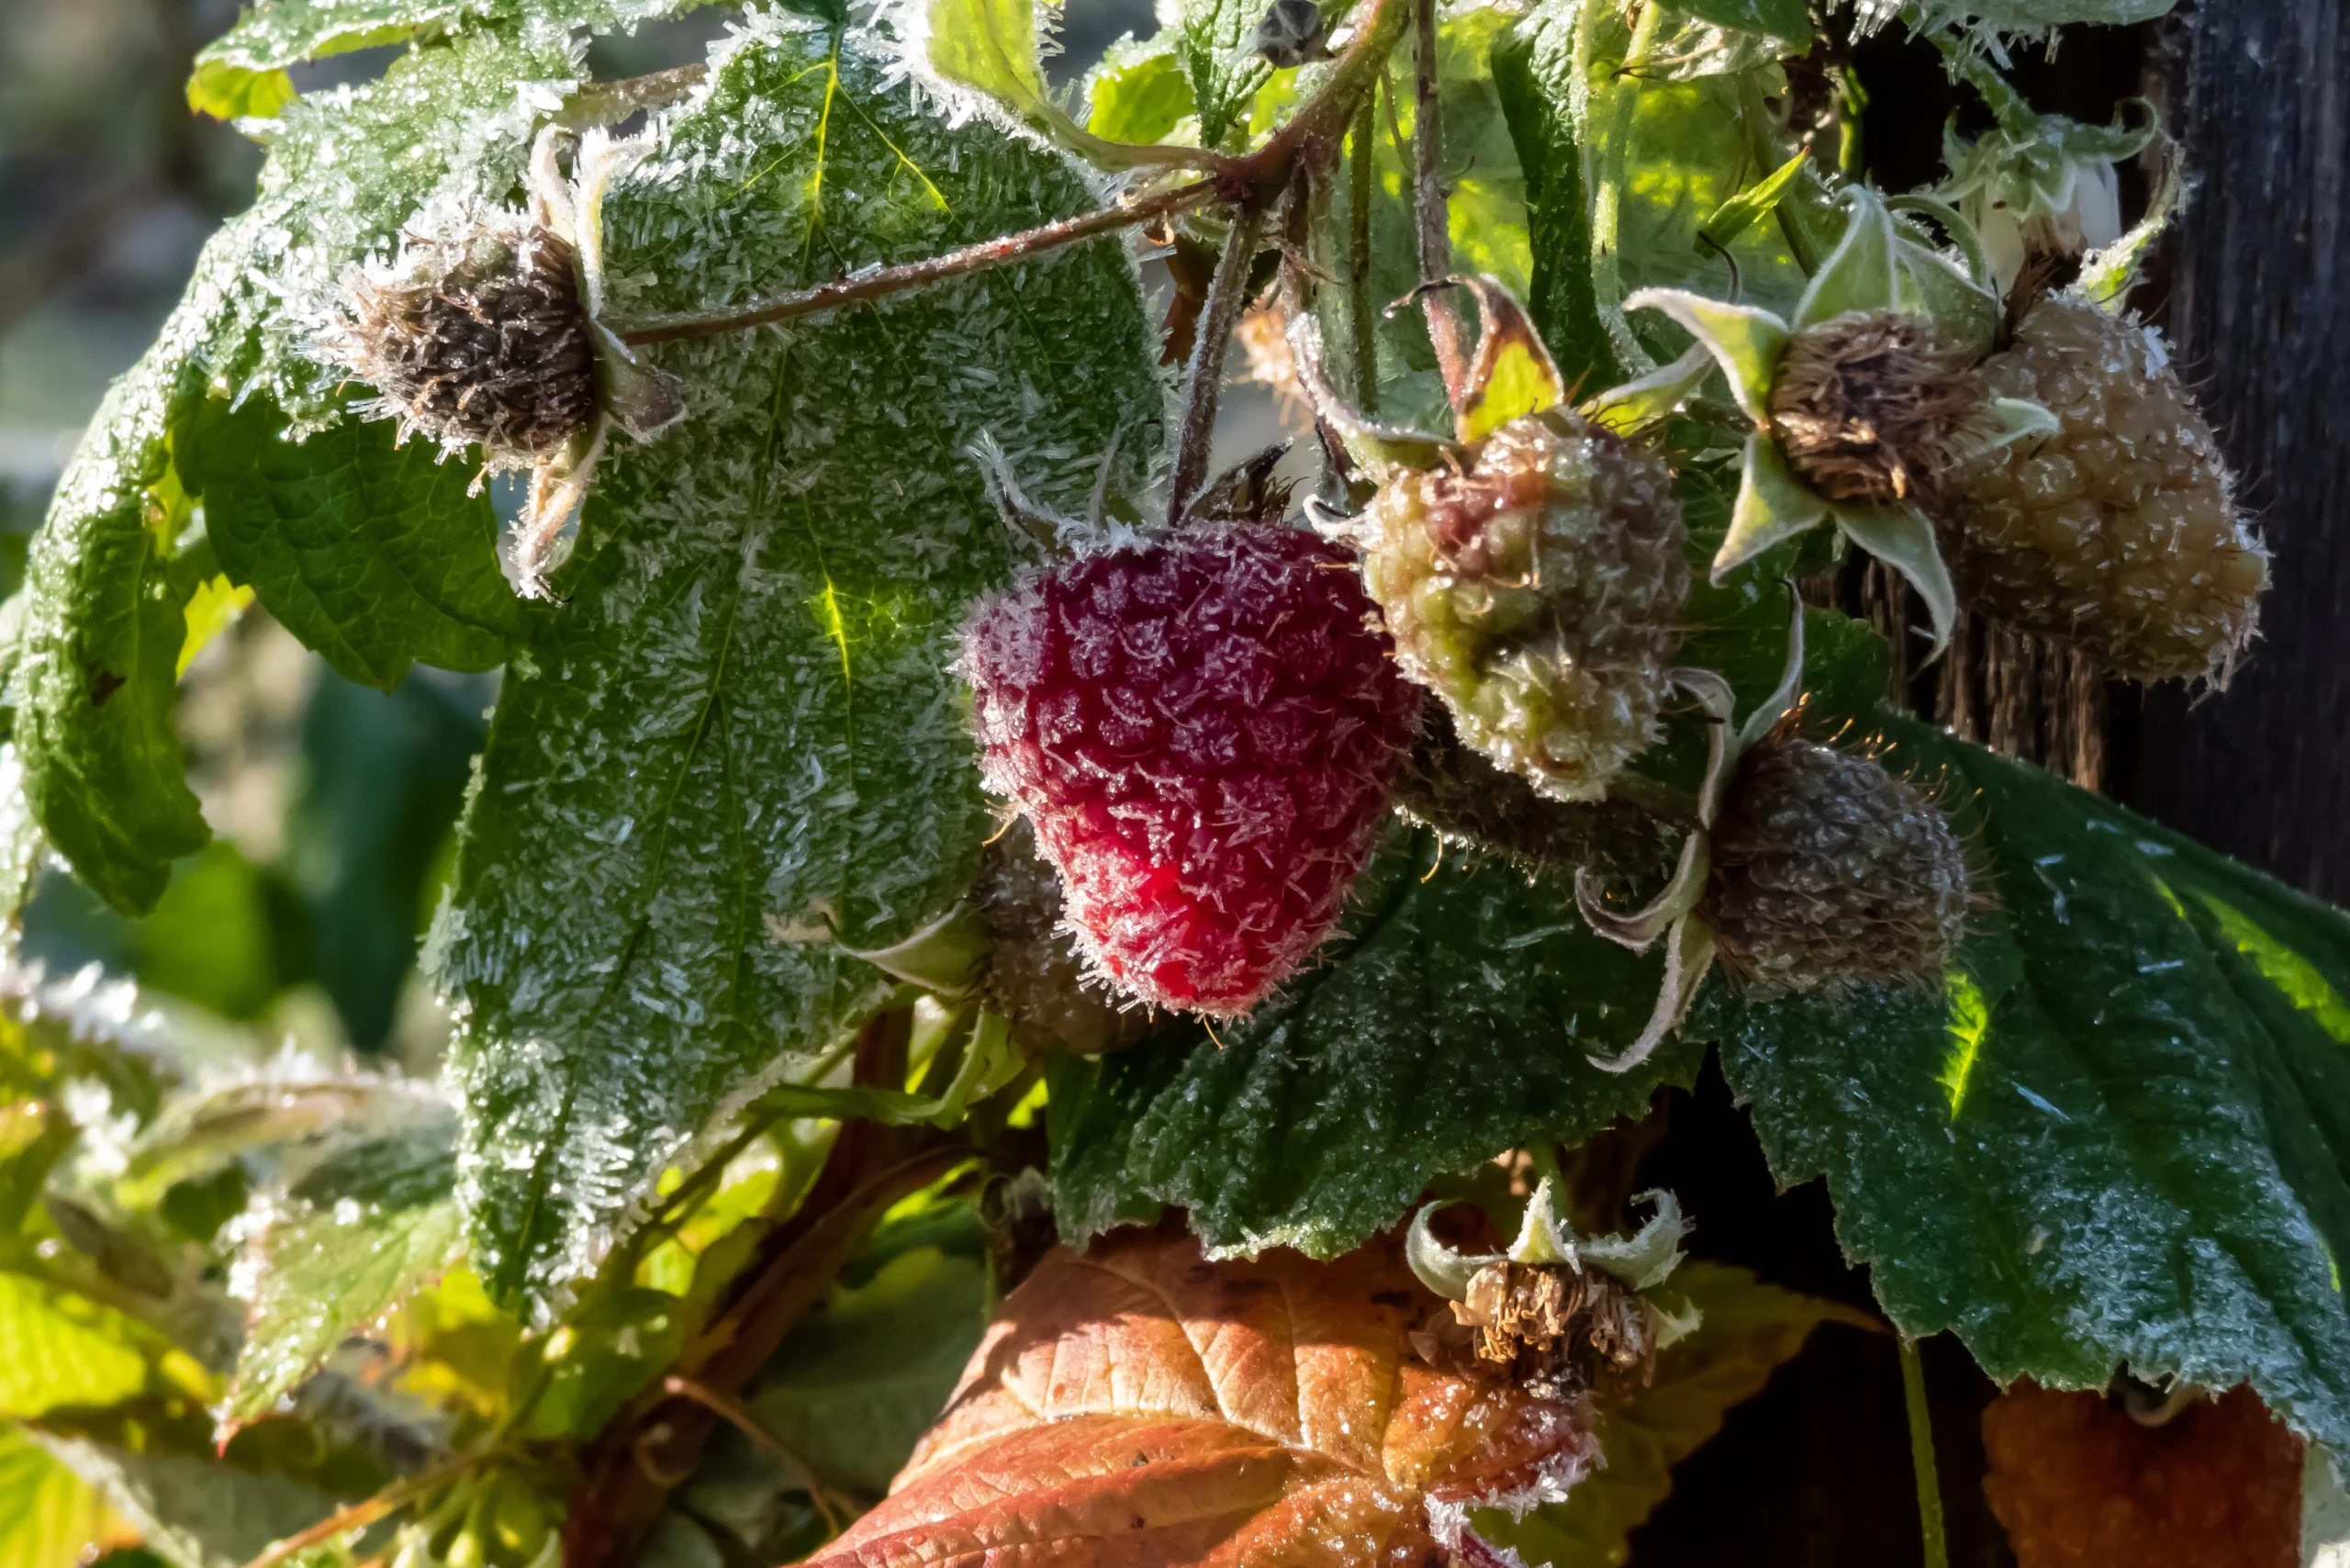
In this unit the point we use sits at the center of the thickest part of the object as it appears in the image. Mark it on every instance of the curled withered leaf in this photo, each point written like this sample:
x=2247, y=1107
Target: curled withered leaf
x=1141, y=1406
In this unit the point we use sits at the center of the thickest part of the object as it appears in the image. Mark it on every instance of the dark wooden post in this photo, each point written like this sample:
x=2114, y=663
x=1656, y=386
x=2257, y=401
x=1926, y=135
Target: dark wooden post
x=2258, y=307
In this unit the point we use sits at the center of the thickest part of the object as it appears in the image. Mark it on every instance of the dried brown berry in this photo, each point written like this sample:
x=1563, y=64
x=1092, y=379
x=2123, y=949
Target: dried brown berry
x=1470, y=803
x=1829, y=868
x=1556, y=1326
x=475, y=336
x=1037, y=976
x=1873, y=409
x=2080, y=1485
x=2118, y=532
x=1540, y=594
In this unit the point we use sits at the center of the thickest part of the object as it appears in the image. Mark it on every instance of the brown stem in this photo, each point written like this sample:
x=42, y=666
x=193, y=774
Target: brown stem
x=1436, y=238
x=882, y=282
x=624, y=1474
x=1203, y=379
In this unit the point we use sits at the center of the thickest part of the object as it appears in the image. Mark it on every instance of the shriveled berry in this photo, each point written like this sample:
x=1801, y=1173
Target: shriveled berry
x=1829, y=868
x=1472, y=803
x=1202, y=731
x=2120, y=532
x=1037, y=973
x=475, y=336
x=1540, y=595
x=1872, y=408
x=2079, y=1484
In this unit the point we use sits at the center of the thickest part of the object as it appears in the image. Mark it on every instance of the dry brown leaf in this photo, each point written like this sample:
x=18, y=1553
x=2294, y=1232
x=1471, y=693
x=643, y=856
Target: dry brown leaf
x=1141, y=1407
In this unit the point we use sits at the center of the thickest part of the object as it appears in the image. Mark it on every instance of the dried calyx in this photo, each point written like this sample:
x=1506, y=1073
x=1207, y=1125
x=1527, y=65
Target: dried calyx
x=485, y=332
x=1557, y=1311
x=1873, y=408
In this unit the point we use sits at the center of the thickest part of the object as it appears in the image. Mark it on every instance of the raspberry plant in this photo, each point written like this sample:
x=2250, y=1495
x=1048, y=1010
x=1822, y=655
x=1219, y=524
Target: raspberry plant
x=950, y=876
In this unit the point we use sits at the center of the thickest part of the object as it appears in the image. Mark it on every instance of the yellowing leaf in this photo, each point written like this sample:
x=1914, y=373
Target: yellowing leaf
x=57, y=1349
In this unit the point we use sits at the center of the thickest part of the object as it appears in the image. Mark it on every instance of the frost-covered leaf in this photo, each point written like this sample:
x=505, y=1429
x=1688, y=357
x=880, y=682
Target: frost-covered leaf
x=1789, y=19
x=1136, y=1405
x=737, y=736
x=1749, y=1329
x=371, y=554
x=354, y=1237
x=117, y=571
x=857, y=1384
x=50, y=1518
x=1138, y=93
x=1453, y=1018
x=1212, y=43
x=2034, y=17
x=2120, y=1137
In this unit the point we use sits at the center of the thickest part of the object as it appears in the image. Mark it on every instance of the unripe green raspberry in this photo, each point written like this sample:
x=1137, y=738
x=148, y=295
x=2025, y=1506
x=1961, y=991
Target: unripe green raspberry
x=1872, y=408
x=1827, y=868
x=2120, y=532
x=1470, y=803
x=1540, y=594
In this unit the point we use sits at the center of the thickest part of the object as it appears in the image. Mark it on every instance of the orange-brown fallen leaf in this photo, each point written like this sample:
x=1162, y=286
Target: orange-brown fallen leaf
x=1139, y=1407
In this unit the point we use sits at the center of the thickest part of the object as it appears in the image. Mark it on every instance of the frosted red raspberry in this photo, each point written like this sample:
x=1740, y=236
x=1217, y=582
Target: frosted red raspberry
x=1202, y=731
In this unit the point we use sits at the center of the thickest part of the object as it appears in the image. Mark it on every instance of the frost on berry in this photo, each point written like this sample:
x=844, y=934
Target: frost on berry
x=1470, y=803
x=2077, y=1482
x=1037, y=973
x=1829, y=868
x=2118, y=532
x=1540, y=595
x=476, y=334
x=1202, y=731
x=1872, y=408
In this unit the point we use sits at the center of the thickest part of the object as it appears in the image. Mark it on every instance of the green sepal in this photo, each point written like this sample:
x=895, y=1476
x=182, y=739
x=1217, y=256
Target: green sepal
x=1745, y=339
x=1772, y=506
x=1903, y=538
x=1859, y=274
x=1512, y=375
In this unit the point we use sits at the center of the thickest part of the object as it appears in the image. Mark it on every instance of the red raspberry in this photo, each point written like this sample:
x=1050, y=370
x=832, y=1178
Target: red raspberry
x=1201, y=730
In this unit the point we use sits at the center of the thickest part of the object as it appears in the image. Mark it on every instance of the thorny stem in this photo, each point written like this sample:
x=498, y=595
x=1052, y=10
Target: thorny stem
x=1203, y=379
x=879, y=283
x=1435, y=234
x=1921, y=1455
x=1362, y=165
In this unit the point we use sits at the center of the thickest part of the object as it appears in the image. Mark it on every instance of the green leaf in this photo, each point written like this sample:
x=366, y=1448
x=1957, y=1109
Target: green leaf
x=371, y=552
x=1741, y=212
x=1532, y=77
x=1750, y=1329
x=119, y=572
x=1789, y=19
x=211, y=937
x=1453, y=1018
x=64, y=1349
x=356, y=1237
x=194, y=1512
x=1773, y=506
x=857, y=1382
x=1212, y=45
x=1858, y=273
x=49, y=1516
x=1139, y=94
x=739, y=735
x=2121, y=1138
x=235, y=91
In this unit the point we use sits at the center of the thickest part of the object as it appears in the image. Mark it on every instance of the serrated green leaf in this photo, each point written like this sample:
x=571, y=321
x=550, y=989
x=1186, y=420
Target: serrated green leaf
x=192, y=1511
x=1211, y=44
x=738, y=736
x=117, y=572
x=1453, y=1018
x=1750, y=1329
x=236, y=92
x=356, y=1237
x=64, y=1349
x=372, y=553
x=50, y=1518
x=1532, y=73
x=856, y=1385
x=1138, y=93
x=2120, y=1139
